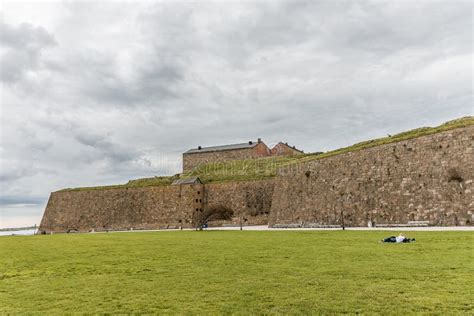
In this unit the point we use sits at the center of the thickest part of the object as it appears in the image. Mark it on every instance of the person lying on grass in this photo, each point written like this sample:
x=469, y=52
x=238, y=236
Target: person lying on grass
x=399, y=239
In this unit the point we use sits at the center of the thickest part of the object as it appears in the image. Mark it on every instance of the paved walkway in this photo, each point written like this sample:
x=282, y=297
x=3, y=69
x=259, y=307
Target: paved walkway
x=430, y=228
x=266, y=228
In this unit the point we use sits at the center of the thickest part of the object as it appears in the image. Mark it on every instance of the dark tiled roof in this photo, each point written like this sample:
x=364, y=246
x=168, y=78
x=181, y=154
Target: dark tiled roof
x=223, y=147
x=192, y=180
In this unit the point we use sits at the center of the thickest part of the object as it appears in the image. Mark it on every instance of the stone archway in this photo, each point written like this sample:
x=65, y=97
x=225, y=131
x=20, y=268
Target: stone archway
x=213, y=213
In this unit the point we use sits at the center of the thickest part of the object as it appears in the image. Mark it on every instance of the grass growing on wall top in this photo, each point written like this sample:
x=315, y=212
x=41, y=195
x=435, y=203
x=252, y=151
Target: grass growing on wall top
x=411, y=134
x=234, y=272
x=241, y=170
x=265, y=168
x=138, y=183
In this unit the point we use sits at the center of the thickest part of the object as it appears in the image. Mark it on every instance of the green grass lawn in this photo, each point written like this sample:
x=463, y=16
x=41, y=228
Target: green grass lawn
x=237, y=272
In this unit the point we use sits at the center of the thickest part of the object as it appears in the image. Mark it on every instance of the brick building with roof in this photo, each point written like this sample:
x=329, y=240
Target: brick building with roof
x=249, y=150
x=283, y=149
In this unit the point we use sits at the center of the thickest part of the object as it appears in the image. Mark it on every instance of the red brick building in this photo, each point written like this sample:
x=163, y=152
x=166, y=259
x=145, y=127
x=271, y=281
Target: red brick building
x=250, y=150
x=283, y=149
x=202, y=155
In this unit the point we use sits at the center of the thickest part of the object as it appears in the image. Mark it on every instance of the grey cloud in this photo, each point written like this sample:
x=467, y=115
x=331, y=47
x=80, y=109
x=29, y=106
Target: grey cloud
x=21, y=48
x=11, y=174
x=152, y=83
x=106, y=148
x=96, y=77
x=24, y=36
x=11, y=201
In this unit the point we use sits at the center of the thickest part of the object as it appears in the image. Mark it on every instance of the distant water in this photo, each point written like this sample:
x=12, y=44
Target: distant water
x=18, y=232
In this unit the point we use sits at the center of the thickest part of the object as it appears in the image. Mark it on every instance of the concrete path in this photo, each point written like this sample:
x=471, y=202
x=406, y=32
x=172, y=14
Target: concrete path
x=266, y=228
x=430, y=228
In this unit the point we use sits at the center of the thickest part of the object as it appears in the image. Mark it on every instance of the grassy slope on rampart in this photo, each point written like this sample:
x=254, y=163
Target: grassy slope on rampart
x=265, y=168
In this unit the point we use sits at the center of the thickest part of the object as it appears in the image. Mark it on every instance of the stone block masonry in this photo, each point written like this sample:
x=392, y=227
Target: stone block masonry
x=157, y=207
x=429, y=178
x=121, y=209
x=250, y=201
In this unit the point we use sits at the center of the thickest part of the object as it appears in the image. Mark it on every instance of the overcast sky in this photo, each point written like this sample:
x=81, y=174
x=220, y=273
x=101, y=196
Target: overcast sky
x=97, y=93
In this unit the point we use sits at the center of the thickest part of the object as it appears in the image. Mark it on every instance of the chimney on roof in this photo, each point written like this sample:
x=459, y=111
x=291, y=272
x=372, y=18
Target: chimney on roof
x=259, y=140
x=199, y=147
x=250, y=142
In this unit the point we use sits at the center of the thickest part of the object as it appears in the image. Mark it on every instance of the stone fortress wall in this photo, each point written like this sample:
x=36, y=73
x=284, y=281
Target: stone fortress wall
x=156, y=207
x=251, y=201
x=429, y=178
x=120, y=209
